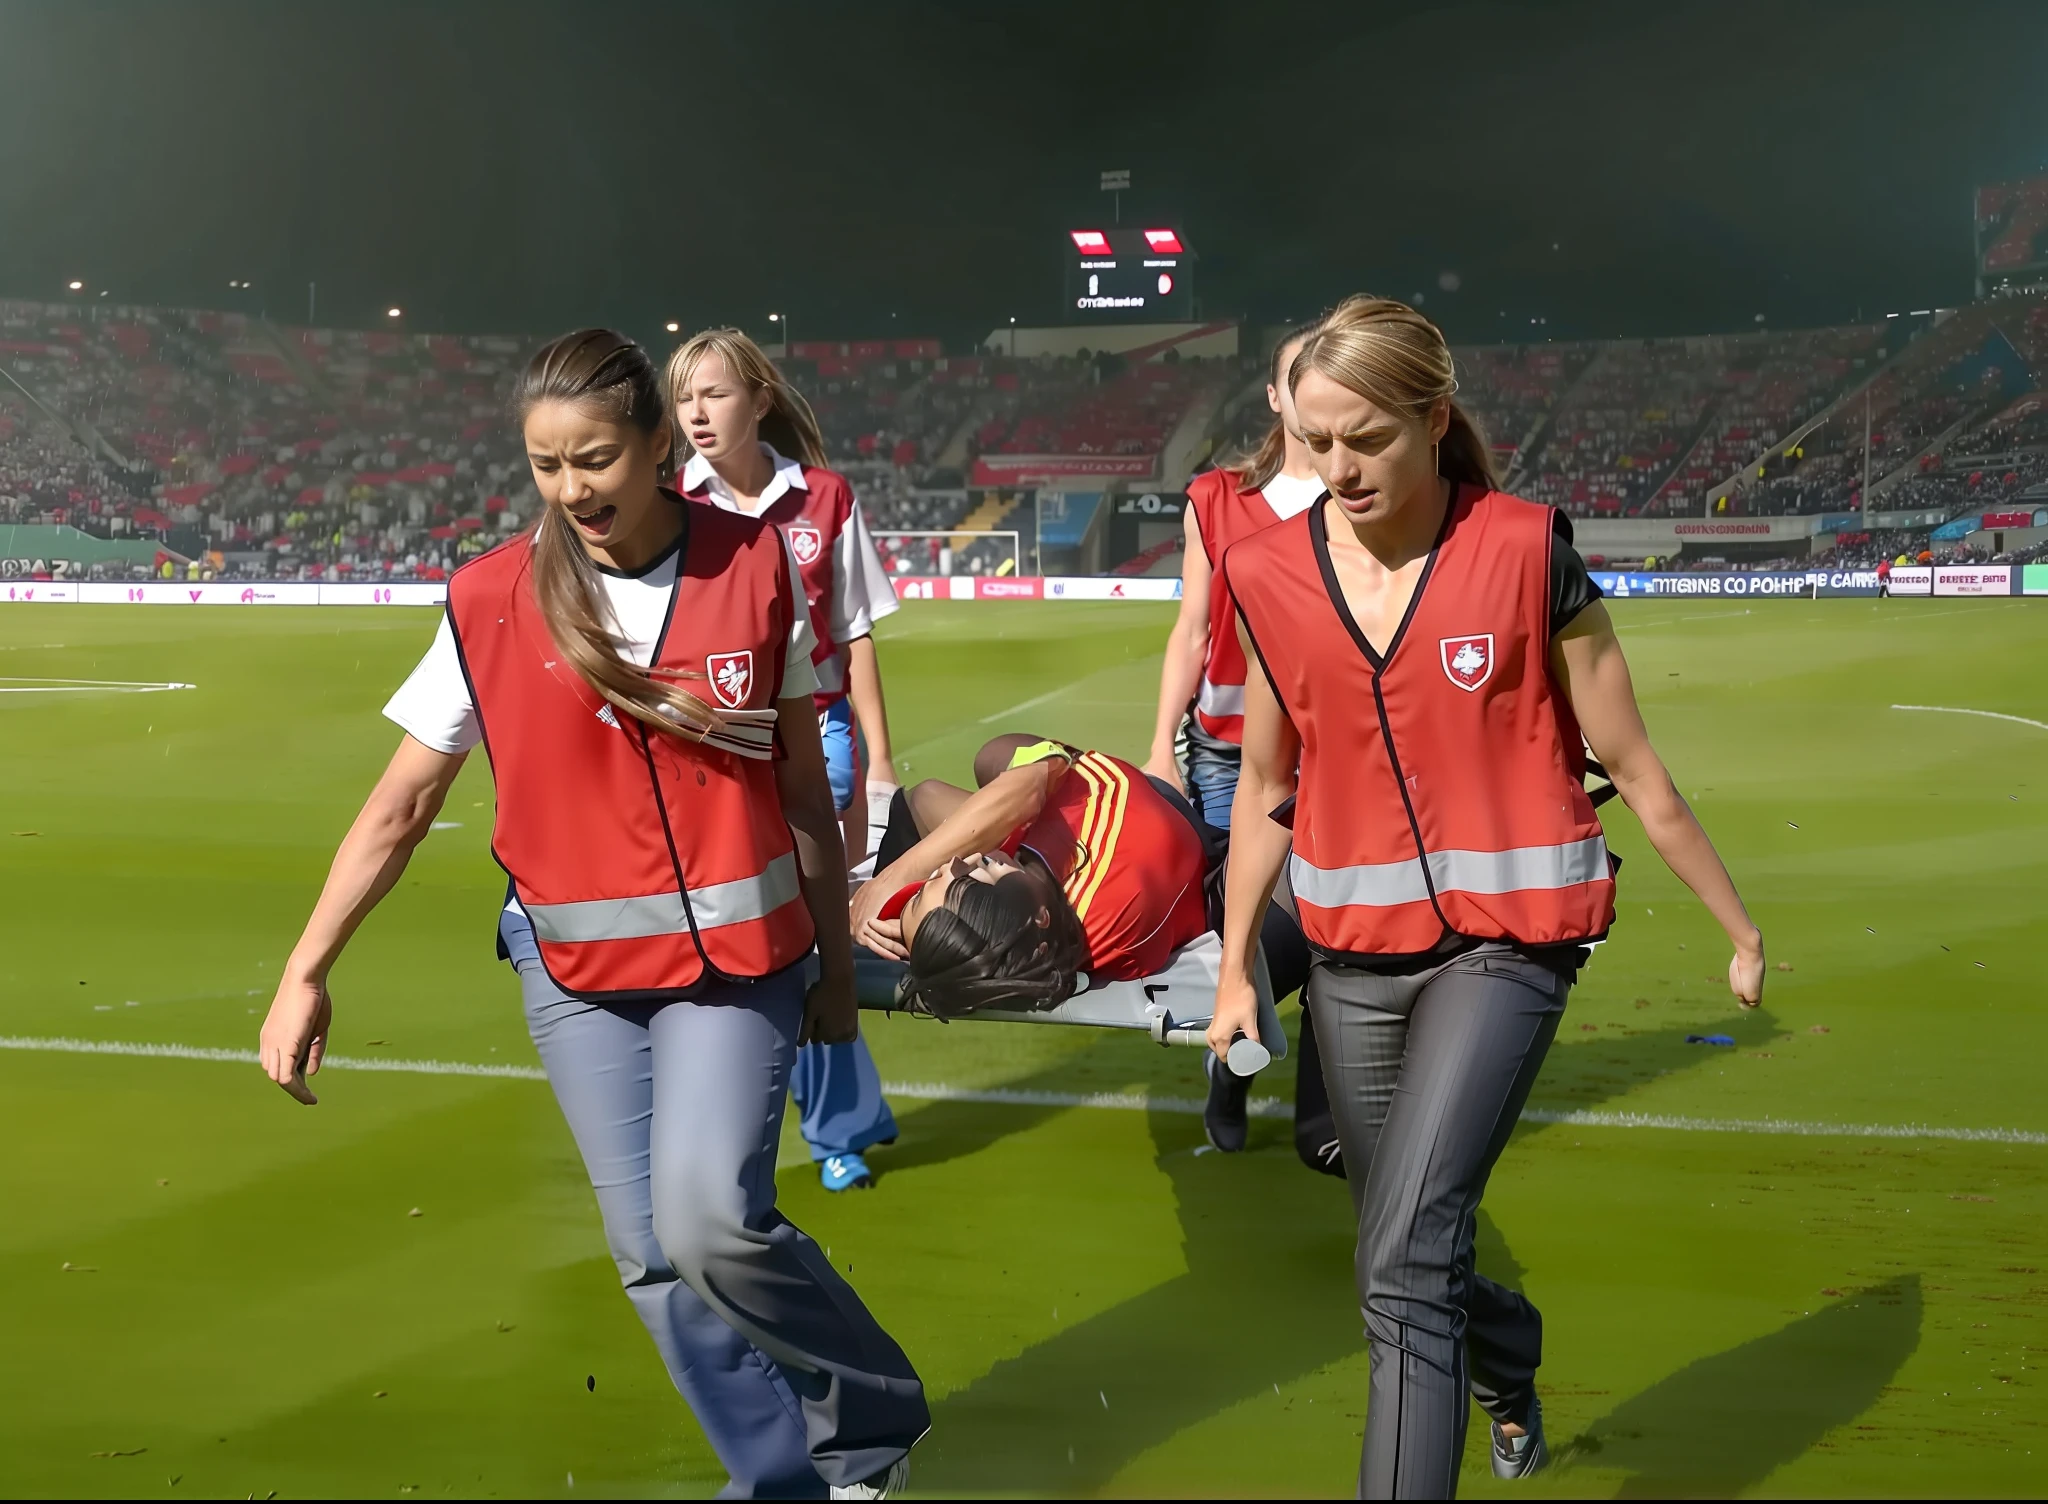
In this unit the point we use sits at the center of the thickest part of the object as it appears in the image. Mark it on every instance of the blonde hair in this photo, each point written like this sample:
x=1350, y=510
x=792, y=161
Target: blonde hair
x=1254, y=466
x=789, y=425
x=605, y=373
x=1398, y=360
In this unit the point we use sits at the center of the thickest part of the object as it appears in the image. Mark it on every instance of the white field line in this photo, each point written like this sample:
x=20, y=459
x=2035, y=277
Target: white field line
x=1990, y=715
x=1031, y=704
x=34, y=686
x=934, y=1091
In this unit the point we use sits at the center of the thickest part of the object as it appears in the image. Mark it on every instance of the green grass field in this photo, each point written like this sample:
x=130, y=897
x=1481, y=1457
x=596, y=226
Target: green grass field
x=205, y=1289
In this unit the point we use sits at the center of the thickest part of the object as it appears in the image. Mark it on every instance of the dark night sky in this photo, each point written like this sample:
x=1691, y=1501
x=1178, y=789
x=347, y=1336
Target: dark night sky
x=910, y=167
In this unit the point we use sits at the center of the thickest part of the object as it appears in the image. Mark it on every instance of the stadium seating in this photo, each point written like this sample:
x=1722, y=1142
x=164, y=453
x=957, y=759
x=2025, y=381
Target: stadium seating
x=272, y=451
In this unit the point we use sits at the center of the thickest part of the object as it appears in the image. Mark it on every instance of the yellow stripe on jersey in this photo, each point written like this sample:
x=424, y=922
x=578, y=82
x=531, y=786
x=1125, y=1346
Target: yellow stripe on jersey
x=1084, y=768
x=1102, y=821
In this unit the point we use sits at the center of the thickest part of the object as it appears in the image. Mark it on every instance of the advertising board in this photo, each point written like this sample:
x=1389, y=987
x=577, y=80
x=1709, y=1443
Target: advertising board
x=1111, y=588
x=2034, y=579
x=1009, y=588
x=1973, y=579
x=33, y=592
x=1038, y=469
x=1912, y=579
x=1737, y=585
x=204, y=593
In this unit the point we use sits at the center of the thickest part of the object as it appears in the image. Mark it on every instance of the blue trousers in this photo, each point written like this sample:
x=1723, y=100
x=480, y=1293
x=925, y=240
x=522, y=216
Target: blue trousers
x=676, y=1109
x=842, y=759
x=1210, y=773
x=836, y=1086
x=838, y=1091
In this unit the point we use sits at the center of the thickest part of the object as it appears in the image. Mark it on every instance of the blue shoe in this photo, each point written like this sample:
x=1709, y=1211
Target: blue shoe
x=845, y=1172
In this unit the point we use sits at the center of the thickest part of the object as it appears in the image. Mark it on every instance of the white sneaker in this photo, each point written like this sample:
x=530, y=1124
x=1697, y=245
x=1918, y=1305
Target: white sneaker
x=881, y=1486
x=1519, y=1456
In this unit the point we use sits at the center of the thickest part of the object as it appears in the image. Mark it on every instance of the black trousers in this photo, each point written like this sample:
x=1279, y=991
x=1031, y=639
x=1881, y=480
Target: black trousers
x=1427, y=1074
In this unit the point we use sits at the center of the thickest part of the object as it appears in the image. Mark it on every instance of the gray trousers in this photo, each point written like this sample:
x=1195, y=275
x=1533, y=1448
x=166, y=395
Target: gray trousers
x=677, y=1109
x=1427, y=1075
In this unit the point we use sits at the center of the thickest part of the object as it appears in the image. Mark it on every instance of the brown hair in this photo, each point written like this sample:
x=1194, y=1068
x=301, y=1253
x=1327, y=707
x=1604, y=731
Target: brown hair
x=1252, y=468
x=789, y=426
x=986, y=948
x=605, y=373
x=1398, y=360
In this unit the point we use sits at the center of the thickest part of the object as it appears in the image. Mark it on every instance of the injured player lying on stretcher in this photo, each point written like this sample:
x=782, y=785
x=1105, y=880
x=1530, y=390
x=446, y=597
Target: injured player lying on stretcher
x=1070, y=888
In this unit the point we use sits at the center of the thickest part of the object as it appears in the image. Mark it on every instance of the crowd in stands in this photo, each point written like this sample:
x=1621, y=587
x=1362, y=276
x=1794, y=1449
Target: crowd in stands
x=1513, y=389
x=264, y=451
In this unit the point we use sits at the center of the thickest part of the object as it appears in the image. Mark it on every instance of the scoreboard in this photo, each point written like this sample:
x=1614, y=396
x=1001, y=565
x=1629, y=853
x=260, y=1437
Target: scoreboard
x=1129, y=277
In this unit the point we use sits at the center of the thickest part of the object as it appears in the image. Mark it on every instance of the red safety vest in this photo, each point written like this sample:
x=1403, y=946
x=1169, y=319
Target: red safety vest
x=1224, y=514
x=812, y=517
x=1441, y=784
x=643, y=861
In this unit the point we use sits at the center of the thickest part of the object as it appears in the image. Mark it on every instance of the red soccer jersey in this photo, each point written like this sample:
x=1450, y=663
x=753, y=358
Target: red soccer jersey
x=1128, y=861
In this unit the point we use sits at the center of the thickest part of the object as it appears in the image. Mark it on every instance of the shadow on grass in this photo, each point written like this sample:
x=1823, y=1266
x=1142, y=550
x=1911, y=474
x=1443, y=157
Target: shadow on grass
x=1725, y=1423
x=1266, y=1298
x=1586, y=1070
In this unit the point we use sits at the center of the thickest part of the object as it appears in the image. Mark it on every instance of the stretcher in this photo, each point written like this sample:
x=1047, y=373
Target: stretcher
x=1174, y=1007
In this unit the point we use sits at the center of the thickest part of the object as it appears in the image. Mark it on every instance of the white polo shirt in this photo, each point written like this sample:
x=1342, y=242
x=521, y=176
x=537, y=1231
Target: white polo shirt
x=1290, y=496
x=861, y=592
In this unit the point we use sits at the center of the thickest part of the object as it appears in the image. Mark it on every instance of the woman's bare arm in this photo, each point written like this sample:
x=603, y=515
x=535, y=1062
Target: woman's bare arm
x=372, y=857
x=982, y=821
x=1587, y=660
x=831, y=1011
x=1187, y=646
x=870, y=709
x=1258, y=849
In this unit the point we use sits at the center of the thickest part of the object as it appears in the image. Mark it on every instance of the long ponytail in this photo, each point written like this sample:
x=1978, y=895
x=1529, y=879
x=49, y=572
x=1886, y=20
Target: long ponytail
x=602, y=372
x=789, y=426
x=1398, y=360
x=1255, y=466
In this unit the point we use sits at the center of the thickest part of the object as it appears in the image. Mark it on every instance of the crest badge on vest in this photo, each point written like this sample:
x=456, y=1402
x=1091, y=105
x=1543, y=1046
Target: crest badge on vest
x=806, y=542
x=732, y=677
x=1467, y=661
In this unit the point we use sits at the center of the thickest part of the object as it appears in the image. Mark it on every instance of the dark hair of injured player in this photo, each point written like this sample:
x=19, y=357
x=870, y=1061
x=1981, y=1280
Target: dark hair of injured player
x=1014, y=943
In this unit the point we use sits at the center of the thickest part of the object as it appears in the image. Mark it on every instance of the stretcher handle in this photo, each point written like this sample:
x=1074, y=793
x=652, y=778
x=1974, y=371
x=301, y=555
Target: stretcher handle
x=1247, y=1056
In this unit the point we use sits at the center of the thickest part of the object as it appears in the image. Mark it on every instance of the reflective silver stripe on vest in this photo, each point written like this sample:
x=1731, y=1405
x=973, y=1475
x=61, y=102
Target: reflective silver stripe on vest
x=1378, y=885
x=1384, y=884
x=735, y=902
x=1220, y=699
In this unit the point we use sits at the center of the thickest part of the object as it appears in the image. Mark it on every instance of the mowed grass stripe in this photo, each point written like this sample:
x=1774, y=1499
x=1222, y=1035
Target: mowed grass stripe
x=939, y=1091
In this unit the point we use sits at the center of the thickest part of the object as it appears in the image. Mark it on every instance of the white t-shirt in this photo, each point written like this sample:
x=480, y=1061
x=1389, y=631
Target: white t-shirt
x=434, y=708
x=1289, y=497
x=861, y=592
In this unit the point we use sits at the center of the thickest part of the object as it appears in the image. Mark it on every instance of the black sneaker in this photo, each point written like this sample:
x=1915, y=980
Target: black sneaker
x=1224, y=1115
x=1519, y=1456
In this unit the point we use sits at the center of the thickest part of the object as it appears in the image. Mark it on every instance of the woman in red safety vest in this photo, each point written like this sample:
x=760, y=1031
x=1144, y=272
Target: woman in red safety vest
x=639, y=672
x=1197, y=733
x=753, y=446
x=1426, y=652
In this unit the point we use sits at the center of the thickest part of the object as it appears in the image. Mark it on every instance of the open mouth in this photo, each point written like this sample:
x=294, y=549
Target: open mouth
x=596, y=523
x=1358, y=500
